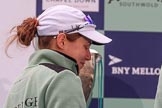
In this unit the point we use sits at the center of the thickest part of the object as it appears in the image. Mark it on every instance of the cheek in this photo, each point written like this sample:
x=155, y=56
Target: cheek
x=73, y=51
x=76, y=51
x=77, y=54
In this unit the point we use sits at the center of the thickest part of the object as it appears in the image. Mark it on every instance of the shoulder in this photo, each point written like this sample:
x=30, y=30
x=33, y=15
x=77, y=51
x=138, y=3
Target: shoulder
x=57, y=72
x=54, y=67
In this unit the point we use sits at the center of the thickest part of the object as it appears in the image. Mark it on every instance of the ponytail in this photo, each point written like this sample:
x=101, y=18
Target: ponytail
x=24, y=33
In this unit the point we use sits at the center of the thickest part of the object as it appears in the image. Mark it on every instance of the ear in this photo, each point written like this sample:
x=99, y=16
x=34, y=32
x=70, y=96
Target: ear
x=61, y=40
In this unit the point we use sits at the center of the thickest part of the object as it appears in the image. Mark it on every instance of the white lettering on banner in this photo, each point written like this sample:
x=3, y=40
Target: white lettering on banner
x=120, y=70
x=135, y=71
x=145, y=71
x=84, y=5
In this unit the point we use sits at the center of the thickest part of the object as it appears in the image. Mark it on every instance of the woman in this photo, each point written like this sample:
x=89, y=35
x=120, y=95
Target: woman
x=63, y=36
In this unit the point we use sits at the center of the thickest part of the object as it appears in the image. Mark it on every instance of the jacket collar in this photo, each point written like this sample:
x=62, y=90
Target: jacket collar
x=53, y=57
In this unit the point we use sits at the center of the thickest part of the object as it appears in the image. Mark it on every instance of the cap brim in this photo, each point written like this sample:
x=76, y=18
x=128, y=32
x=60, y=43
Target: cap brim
x=96, y=37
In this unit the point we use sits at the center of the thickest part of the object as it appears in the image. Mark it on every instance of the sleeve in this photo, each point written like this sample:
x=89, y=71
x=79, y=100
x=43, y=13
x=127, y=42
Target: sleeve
x=158, y=98
x=65, y=91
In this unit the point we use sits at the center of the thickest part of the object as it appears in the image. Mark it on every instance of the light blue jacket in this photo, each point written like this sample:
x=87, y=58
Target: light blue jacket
x=41, y=86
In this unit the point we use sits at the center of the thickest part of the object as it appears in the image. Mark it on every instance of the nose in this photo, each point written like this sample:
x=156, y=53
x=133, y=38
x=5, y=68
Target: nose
x=88, y=56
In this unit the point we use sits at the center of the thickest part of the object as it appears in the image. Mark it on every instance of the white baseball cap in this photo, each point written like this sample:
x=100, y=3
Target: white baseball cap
x=62, y=18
